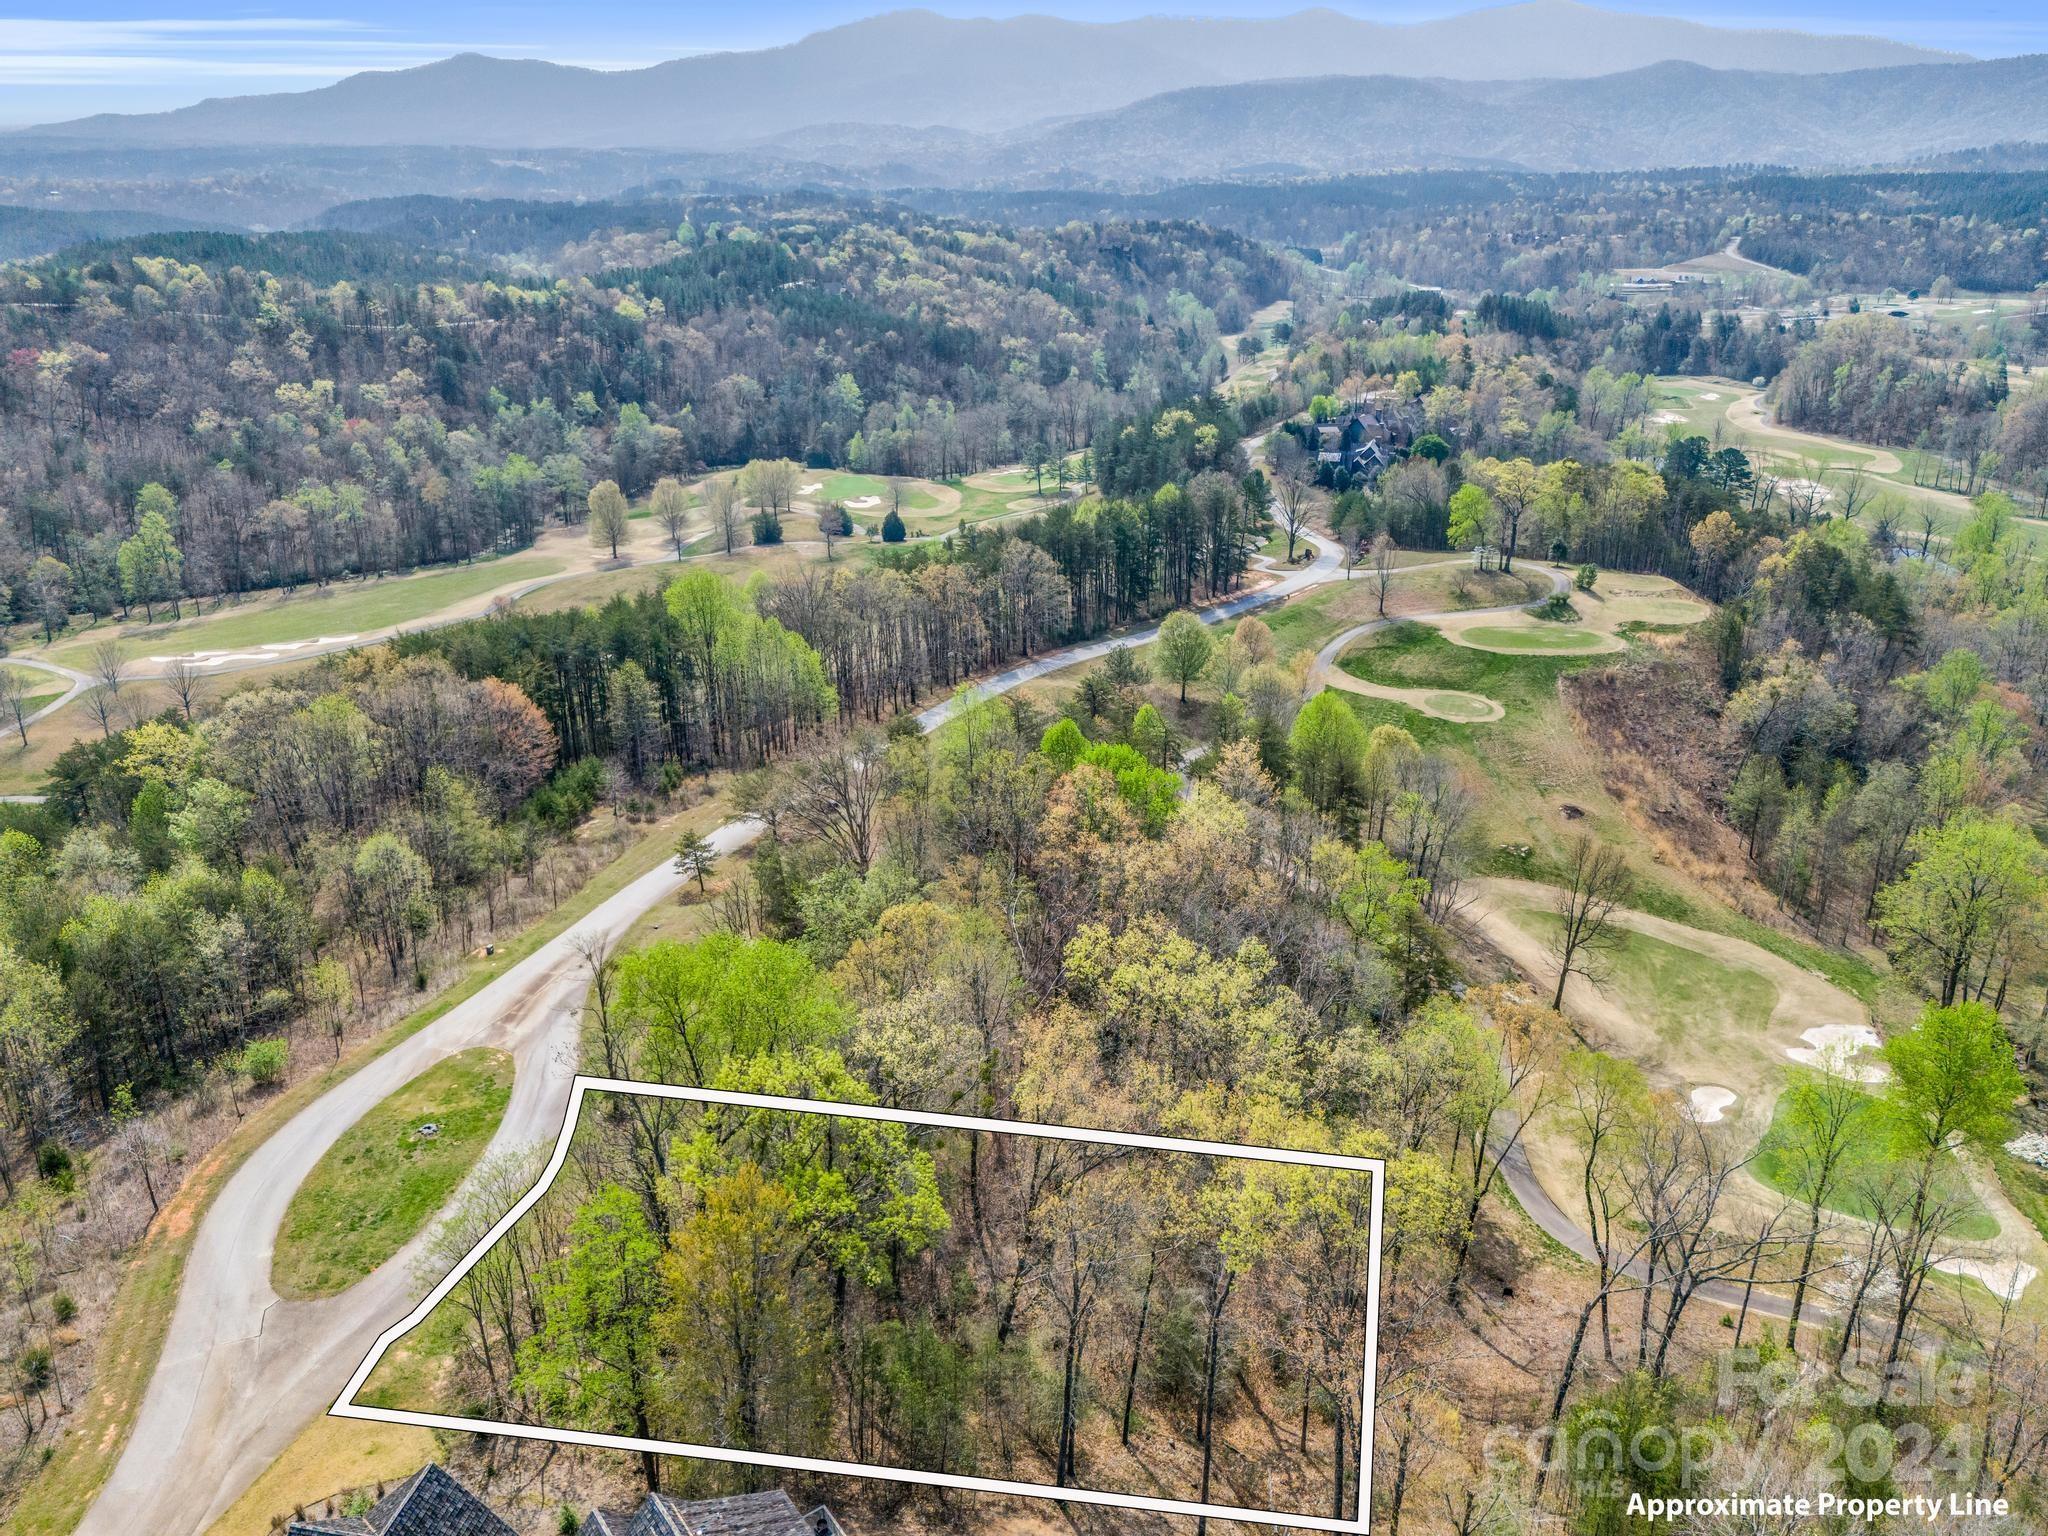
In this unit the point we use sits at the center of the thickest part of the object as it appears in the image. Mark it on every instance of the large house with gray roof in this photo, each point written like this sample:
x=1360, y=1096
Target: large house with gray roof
x=433, y=1503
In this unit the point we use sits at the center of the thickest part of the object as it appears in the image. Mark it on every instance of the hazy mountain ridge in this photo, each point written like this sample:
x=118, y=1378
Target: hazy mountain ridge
x=1666, y=115
x=919, y=70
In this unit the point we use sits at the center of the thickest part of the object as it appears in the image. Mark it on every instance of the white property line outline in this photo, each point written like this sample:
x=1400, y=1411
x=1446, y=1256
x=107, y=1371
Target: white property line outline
x=345, y=1406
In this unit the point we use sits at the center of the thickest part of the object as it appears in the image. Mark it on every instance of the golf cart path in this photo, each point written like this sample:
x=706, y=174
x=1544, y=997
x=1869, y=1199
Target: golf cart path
x=1326, y=673
x=1805, y=1001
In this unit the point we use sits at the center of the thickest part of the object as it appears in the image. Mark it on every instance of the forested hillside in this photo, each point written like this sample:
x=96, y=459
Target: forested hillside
x=304, y=427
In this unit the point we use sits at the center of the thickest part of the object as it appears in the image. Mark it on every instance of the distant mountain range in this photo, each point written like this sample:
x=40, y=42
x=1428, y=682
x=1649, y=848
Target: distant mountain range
x=917, y=70
x=1665, y=115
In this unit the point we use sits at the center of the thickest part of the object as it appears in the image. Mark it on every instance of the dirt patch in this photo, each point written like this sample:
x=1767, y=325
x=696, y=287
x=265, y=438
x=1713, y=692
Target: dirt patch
x=1652, y=720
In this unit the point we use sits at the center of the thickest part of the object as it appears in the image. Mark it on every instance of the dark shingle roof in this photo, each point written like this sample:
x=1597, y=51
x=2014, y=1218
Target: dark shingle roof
x=429, y=1503
x=746, y=1514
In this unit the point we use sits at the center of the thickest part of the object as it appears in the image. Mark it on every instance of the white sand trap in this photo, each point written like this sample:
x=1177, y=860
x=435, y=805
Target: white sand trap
x=1667, y=418
x=270, y=651
x=1838, y=1048
x=1707, y=394
x=2003, y=1278
x=812, y=489
x=1710, y=1103
x=862, y=503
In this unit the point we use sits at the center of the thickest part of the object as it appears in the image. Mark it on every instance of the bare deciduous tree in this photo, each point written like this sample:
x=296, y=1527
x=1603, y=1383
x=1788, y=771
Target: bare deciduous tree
x=722, y=503
x=1382, y=556
x=842, y=786
x=14, y=700
x=184, y=679
x=1597, y=882
x=109, y=675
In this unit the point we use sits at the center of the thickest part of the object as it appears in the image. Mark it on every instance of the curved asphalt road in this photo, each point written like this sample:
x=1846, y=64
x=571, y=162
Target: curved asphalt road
x=243, y=1371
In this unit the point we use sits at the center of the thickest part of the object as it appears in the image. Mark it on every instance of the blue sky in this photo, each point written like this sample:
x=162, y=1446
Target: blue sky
x=64, y=58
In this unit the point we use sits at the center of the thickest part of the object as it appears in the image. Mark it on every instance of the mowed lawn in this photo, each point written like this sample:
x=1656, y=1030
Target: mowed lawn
x=1411, y=655
x=389, y=1174
x=1773, y=1169
x=844, y=485
x=344, y=608
x=1544, y=640
x=1675, y=991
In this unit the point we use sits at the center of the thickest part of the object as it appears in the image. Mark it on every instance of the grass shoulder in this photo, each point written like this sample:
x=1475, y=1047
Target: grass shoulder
x=389, y=1174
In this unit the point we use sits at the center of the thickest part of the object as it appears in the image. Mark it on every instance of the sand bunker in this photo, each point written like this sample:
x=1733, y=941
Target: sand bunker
x=862, y=503
x=1709, y=1103
x=1707, y=394
x=267, y=652
x=2003, y=1278
x=1839, y=1048
x=1667, y=418
x=812, y=489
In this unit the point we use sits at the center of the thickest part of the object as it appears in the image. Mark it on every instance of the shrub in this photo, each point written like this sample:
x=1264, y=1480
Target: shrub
x=62, y=1307
x=264, y=1061
x=1557, y=609
x=1587, y=575
x=892, y=527
x=571, y=794
x=53, y=1163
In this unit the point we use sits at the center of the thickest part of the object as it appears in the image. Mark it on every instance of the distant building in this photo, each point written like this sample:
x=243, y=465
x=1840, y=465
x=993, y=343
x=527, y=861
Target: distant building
x=433, y=1503
x=1365, y=441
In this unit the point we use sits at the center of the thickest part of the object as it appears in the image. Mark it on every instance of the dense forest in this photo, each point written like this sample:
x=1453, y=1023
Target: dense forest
x=301, y=408
x=1197, y=886
x=1474, y=230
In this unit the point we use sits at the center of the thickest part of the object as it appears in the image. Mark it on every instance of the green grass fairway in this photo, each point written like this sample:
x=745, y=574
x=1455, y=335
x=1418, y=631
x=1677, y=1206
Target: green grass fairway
x=596, y=588
x=1548, y=641
x=1977, y=1224
x=384, y=1180
x=1416, y=656
x=346, y=608
x=1677, y=992
x=1462, y=706
x=847, y=486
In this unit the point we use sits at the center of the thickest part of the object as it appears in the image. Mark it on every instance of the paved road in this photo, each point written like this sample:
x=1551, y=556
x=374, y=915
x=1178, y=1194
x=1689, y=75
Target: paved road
x=244, y=1371
x=1545, y=1212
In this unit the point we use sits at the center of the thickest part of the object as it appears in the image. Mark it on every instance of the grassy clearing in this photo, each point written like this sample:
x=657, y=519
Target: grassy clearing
x=1307, y=622
x=599, y=587
x=1416, y=656
x=333, y=1455
x=1548, y=641
x=1770, y=1168
x=846, y=486
x=1677, y=992
x=1462, y=706
x=347, y=608
x=2025, y=1185
x=55, y=1502
x=42, y=688
x=389, y=1173
x=1536, y=783
x=980, y=502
